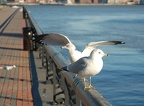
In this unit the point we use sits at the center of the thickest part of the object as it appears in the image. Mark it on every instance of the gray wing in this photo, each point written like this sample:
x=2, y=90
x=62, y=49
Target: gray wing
x=101, y=43
x=78, y=66
x=55, y=39
x=91, y=46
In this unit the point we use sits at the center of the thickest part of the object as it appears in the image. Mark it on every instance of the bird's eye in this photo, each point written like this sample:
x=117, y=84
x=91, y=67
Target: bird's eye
x=99, y=52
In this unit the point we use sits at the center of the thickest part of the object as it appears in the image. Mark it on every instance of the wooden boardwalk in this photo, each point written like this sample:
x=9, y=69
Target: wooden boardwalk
x=15, y=84
x=26, y=84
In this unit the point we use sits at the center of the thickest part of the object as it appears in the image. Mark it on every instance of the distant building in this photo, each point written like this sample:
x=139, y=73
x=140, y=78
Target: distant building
x=89, y=1
x=125, y=1
x=21, y=1
x=80, y=1
x=117, y=1
x=136, y=1
x=84, y=1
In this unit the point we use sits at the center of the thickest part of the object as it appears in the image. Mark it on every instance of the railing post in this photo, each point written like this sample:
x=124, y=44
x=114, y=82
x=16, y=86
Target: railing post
x=24, y=13
x=49, y=70
x=58, y=95
x=64, y=87
x=43, y=57
x=33, y=34
x=40, y=49
x=71, y=99
x=26, y=38
x=35, y=30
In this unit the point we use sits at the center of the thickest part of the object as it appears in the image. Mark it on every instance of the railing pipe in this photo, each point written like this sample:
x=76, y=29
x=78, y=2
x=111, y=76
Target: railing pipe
x=32, y=22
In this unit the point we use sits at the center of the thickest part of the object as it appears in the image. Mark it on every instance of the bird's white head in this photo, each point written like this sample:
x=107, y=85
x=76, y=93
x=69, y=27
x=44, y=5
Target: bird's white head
x=69, y=46
x=98, y=52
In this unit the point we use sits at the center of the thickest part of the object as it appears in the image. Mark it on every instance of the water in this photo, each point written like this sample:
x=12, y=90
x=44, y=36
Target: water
x=122, y=79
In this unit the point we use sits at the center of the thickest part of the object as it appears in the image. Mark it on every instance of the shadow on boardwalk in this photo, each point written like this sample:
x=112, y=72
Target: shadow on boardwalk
x=35, y=83
x=12, y=35
x=42, y=91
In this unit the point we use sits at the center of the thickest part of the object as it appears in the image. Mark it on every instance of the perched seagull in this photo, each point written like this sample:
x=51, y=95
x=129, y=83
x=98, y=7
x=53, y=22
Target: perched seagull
x=88, y=66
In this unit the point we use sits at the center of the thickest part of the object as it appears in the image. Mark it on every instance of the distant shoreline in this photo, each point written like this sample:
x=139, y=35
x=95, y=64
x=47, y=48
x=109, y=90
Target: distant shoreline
x=64, y=4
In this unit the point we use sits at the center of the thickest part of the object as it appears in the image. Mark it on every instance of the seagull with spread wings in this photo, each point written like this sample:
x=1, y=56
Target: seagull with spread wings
x=64, y=41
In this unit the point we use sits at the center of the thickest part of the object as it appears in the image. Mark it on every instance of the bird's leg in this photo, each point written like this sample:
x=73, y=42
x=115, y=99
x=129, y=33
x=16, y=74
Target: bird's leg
x=84, y=82
x=90, y=85
x=85, y=88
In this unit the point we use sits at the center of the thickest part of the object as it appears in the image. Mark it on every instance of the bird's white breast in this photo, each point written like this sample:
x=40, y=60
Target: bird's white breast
x=93, y=68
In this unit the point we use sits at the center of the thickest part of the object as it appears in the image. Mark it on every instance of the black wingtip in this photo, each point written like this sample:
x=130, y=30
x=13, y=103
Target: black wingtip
x=122, y=42
x=119, y=42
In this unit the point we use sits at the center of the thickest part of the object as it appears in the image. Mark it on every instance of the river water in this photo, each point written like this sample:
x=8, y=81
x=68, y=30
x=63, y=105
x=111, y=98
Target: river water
x=121, y=80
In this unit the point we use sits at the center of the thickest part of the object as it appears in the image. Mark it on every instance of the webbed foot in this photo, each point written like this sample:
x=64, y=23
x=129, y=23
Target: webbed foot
x=89, y=87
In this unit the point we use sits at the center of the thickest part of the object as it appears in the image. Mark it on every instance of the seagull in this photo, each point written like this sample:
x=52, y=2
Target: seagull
x=57, y=39
x=88, y=66
x=75, y=54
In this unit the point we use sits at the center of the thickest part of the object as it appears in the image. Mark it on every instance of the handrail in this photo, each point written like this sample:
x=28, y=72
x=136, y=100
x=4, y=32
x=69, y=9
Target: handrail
x=65, y=84
x=30, y=31
x=31, y=22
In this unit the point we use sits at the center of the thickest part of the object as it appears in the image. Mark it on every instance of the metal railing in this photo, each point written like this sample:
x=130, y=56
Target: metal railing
x=67, y=89
x=30, y=31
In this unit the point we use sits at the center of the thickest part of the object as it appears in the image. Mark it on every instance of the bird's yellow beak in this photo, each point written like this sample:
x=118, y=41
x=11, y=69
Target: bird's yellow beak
x=106, y=54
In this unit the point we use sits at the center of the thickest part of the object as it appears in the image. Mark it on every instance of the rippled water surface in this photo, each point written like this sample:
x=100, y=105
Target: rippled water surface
x=122, y=79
